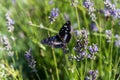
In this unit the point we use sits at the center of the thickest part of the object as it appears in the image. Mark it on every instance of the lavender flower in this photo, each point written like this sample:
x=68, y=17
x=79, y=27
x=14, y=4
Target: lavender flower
x=83, y=49
x=92, y=50
x=81, y=46
x=106, y=12
x=110, y=9
x=93, y=27
x=10, y=23
x=53, y=15
x=92, y=75
x=83, y=32
x=90, y=6
x=80, y=56
x=109, y=5
x=6, y=43
x=82, y=43
x=91, y=56
x=114, y=13
x=30, y=60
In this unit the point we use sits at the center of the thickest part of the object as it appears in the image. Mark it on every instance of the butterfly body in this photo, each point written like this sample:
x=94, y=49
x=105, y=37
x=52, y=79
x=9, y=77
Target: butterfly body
x=61, y=39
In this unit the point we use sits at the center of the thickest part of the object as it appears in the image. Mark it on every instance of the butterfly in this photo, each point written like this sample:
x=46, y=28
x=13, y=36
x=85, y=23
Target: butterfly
x=61, y=39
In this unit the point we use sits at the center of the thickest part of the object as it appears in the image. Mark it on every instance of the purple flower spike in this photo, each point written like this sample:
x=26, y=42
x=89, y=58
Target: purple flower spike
x=90, y=7
x=92, y=75
x=30, y=60
x=93, y=49
x=111, y=10
x=54, y=12
x=53, y=15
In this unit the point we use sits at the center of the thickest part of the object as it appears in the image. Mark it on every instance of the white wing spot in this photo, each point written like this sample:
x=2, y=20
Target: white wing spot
x=65, y=26
x=57, y=43
x=66, y=31
x=65, y=37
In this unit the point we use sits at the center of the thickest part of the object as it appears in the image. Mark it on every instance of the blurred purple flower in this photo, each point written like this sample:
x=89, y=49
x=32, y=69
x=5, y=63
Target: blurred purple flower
x=6, y=43
x=82, y=48
x=82, y=32
x=80, y=56
x=93, y=27
x=116, y=13
x=92, y=75
x=30, y=60
x=93, y=49
x=51, y=2
x=7, y=46
x=10, y=22
x=81, y=45
x=53, y=15
x=110, y=9
x=91, y=56
x=106, y=12
x=109, y=5
x=88, y=4
x=54, y=12
x=90, y=7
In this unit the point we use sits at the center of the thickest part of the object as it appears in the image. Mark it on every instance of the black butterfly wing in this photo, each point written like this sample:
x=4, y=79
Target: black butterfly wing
x=53, y=41
x=64, y=32
x=60, y=40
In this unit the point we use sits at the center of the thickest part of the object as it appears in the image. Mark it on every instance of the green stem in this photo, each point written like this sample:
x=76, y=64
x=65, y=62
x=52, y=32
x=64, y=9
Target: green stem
x=37, y=76
x=111, y=50
x=79, y=73
x=42, y=27
x=55, y=64
x=100, y=49
x=77, y=18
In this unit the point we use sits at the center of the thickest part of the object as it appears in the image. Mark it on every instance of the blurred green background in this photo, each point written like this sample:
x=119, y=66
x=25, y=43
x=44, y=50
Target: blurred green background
x=52, y=63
